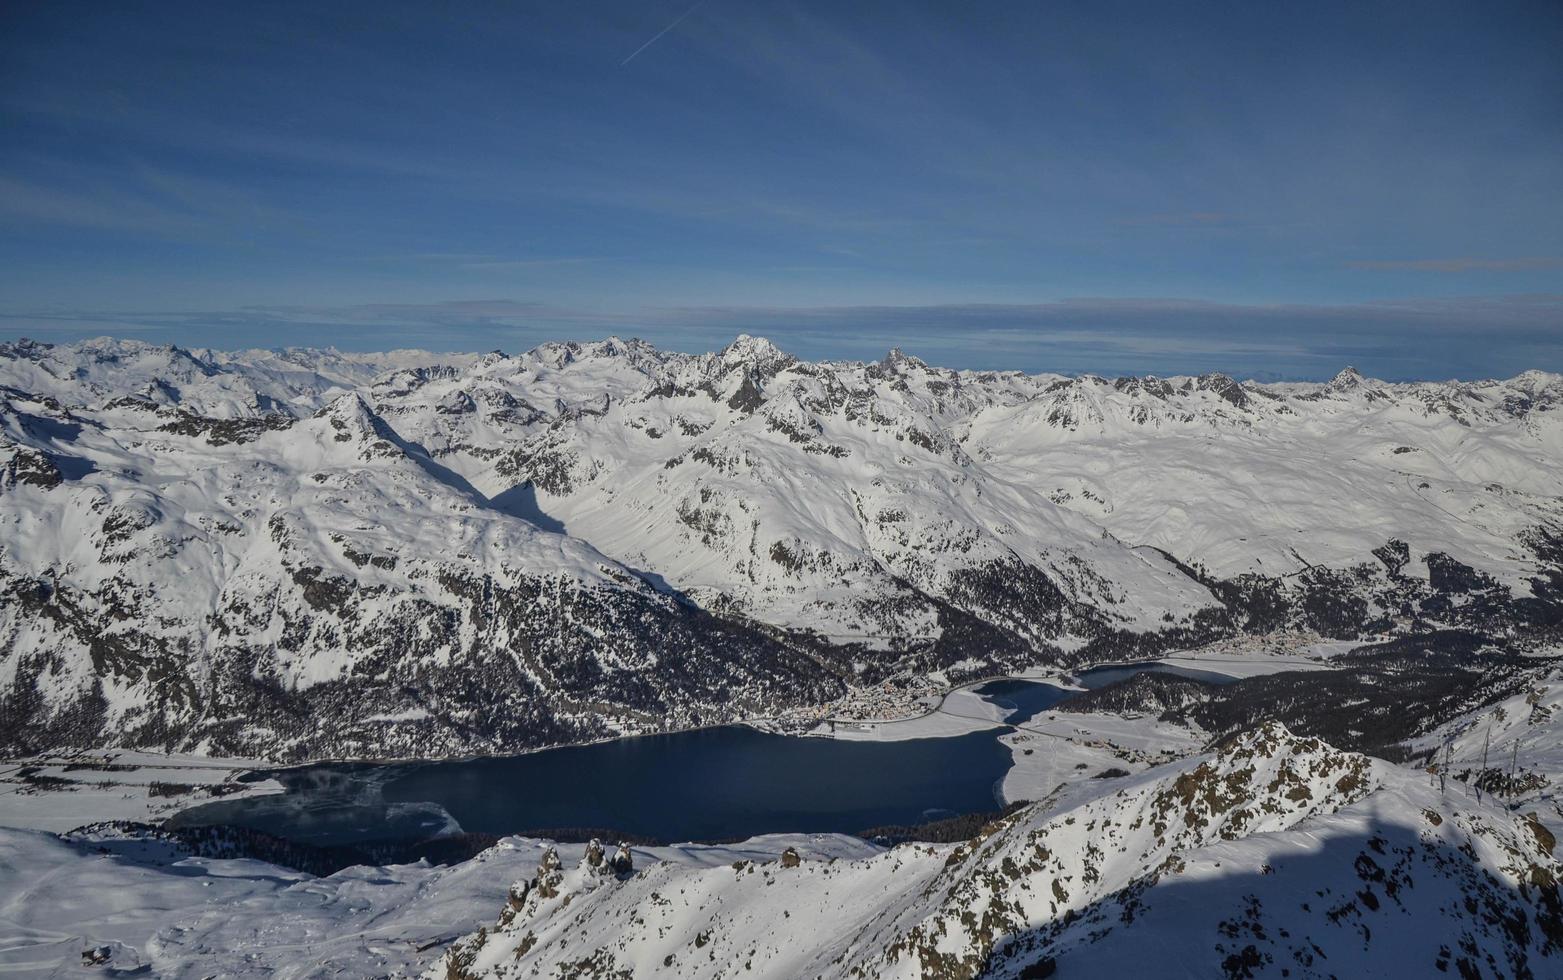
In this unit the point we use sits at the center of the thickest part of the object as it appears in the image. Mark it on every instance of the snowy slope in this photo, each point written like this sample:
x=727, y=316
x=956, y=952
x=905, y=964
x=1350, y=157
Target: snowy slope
x=1512, y=748
x=278, y=586
x=853, y=499
x=1274, y=856
x=221, y=384
x=159, y=909
x=274, y=552
x=1275, y=479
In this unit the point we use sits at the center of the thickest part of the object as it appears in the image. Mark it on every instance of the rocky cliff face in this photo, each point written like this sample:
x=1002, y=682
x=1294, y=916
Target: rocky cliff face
x=308, y=553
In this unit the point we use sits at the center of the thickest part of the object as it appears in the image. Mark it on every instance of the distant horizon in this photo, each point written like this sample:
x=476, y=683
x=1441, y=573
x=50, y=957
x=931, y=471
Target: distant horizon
x=718, y=346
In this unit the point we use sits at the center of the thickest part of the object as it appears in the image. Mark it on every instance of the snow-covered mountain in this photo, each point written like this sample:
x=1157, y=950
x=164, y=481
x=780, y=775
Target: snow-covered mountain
x=1272, y=856
x=307, y=553
x=218, y=384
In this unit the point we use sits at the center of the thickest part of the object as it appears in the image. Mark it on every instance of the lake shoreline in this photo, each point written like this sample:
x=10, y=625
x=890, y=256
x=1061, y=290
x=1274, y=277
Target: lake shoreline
x=849, y=730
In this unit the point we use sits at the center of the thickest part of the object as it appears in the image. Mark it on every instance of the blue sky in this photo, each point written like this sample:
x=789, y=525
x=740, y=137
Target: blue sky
x=1266, y=189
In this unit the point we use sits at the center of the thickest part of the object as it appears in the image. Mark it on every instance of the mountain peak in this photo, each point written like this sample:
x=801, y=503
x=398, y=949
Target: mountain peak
x=755, y=352
x=346, y=405
x=1349, y=377
x=746, y=345
x=353, y=421
x=1224, y=388
x=25, y=347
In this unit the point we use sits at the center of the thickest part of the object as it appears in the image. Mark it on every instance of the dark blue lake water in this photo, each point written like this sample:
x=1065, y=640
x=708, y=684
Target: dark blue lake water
x=713, y=784
x=1099, y=677
x=1026, y=699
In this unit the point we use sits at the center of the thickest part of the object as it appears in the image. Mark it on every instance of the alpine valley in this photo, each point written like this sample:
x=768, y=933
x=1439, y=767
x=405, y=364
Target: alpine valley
x=305, y=554
x=1342, y=764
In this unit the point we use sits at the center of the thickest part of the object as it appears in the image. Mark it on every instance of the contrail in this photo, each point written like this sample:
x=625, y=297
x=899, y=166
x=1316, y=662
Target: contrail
x=659, y=34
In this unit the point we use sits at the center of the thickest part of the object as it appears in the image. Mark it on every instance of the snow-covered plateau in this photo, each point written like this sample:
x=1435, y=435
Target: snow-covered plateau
x=213, y=562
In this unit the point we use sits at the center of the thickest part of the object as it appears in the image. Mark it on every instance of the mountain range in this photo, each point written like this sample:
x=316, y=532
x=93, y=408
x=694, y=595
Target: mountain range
x=303, y=554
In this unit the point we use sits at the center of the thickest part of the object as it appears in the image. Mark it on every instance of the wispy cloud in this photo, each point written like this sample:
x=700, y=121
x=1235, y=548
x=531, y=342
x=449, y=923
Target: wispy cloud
x=140, y=200
x=1522, y=264
x=658, y=36
x=1180, y=219
x=107, y=210
x=523, y=265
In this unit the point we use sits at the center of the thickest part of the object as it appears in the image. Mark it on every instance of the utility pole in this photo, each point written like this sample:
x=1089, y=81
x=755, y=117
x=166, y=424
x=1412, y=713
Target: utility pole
x=1514, y=758
x=1486, y=742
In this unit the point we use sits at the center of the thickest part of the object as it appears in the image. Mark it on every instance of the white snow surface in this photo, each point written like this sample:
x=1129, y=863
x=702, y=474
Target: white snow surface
x=1523, y=733
x=191, y=917
x=154, y=492
x=811, y=495
x=96, y=785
